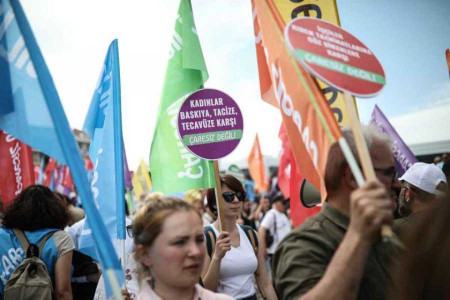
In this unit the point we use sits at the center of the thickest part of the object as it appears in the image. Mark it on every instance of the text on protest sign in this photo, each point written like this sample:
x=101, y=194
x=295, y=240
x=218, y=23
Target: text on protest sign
x=210, y=124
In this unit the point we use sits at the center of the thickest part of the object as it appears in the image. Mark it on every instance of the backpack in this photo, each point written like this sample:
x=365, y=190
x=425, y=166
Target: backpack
x=30, y=280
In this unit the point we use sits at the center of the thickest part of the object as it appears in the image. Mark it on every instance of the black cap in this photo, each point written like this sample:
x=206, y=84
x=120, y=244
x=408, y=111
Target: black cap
x=277, y=197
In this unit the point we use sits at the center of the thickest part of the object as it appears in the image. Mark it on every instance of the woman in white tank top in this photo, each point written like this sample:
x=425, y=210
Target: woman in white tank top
x=233, y=265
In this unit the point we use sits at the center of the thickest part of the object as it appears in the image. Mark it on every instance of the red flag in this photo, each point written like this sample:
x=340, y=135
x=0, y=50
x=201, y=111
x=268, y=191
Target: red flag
x=256, y=167
x=67, y=181
x=284, y=166
x=88, y=165
x=49, y=172
x=299, y=213
x=37, y=173
x=16, y=165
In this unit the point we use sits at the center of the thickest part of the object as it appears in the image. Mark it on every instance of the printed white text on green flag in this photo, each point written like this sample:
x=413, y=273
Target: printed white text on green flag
x=172, y=166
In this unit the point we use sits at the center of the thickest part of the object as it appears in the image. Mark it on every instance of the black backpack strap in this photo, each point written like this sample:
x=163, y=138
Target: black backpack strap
x=252, y=237
x=210, y=237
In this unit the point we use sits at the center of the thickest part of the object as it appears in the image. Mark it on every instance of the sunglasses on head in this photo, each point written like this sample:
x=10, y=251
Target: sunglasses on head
x=229, y=196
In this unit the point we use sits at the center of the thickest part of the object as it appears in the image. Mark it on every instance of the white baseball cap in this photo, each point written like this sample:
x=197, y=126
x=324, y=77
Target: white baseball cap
x=425, y=177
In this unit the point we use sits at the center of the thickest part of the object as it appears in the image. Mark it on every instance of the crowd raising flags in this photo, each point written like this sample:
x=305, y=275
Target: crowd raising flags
x=32, y=112
x=32, y=117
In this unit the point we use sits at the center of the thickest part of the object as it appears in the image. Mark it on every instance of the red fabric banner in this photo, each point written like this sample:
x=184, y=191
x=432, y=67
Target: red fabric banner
x=88, y=165
x=37, y=173
x=16, y=165
x=284, y=166
x=50, y=170
x=67, y=181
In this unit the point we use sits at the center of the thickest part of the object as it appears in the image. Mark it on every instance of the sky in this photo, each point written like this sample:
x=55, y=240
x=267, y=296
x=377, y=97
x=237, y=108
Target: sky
x=409, y=38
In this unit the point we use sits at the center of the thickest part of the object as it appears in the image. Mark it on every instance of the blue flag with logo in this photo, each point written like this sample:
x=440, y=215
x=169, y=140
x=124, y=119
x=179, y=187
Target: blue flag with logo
x=103, y=125
x=30, y=110
x=22, y=114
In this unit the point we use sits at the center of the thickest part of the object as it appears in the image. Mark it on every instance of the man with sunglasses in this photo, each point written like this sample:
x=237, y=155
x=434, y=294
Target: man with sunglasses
x=338, y=253
x=422, y=185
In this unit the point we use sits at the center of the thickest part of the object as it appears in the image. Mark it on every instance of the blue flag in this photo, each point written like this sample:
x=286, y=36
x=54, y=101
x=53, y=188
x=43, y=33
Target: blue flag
x=103, y=125
x=32, y=112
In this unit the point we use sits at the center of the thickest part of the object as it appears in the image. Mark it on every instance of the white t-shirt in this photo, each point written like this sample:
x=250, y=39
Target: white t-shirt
x=237, y=268
x=76, y=229
x=283, y=227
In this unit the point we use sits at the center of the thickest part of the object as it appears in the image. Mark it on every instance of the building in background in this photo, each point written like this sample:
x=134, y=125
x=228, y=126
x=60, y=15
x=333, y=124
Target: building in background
x=83, y=142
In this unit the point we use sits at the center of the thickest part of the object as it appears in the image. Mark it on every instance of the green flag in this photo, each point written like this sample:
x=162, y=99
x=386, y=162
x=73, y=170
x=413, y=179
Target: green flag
x=173, y=167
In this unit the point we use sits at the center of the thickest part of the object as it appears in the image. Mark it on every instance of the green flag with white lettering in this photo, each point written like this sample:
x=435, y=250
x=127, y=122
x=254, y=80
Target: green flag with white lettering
x=173, y=167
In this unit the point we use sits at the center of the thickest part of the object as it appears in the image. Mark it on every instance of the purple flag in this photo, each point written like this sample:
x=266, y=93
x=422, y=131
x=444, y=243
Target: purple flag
x=403, y=156
x=126, y=172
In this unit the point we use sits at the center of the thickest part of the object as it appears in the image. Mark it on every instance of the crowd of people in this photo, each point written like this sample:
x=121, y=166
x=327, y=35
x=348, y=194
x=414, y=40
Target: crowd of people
x=176, y=248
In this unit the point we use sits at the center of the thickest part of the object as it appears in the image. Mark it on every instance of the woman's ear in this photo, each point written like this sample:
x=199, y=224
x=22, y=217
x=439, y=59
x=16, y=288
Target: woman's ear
x=143, y=256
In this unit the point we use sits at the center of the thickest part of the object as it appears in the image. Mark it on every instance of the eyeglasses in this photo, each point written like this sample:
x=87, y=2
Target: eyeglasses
x=388, y=172
x=229, y=196
x=130, y=231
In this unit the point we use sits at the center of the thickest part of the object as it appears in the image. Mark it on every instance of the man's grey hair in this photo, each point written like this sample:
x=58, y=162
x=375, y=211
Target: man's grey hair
x=370, y=133
x=336, y=162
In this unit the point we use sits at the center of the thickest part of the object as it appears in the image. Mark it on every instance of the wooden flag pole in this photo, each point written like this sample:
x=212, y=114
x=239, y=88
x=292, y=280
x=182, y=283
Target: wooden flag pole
x=219, y=199
x=366, y=161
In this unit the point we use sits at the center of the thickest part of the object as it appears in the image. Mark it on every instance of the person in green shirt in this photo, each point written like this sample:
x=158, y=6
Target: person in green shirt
x=338, y=253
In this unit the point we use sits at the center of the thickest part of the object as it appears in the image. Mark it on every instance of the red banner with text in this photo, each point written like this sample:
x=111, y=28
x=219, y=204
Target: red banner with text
x=16, y=167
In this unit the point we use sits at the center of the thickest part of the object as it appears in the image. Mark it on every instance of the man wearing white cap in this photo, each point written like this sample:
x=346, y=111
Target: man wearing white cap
x=422, y=184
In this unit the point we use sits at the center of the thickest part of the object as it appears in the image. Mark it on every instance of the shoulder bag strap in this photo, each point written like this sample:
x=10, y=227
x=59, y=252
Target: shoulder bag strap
x=251, y=235
x=210, y=237
x=22, y=239
x=44, y=240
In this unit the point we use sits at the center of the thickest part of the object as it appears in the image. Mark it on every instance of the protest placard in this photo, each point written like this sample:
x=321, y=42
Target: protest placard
x=341, y=60
x=210, y=125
